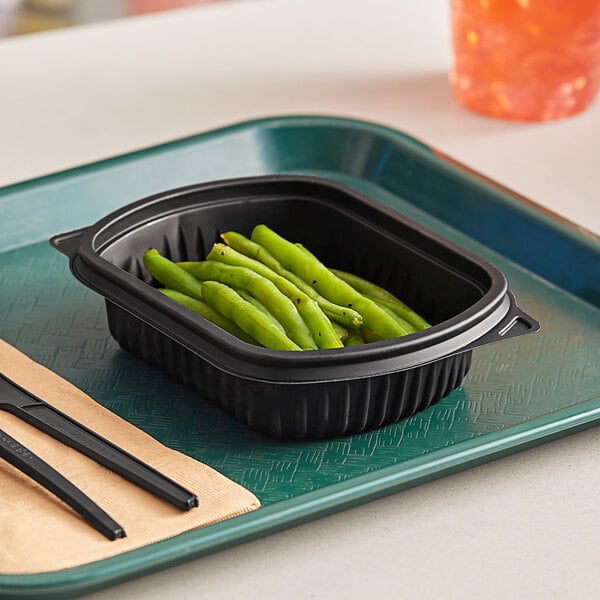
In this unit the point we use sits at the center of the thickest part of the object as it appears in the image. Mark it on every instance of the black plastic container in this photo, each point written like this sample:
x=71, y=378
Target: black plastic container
x=311, y=394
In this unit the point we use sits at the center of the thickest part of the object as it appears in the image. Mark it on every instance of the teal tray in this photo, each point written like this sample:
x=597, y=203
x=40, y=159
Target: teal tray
x=518, y=393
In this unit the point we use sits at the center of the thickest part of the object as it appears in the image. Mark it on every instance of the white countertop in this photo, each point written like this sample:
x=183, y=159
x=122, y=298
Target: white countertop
x=527, y=526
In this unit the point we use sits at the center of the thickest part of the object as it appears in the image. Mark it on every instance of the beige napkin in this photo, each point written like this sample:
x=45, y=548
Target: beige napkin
x=39, y=533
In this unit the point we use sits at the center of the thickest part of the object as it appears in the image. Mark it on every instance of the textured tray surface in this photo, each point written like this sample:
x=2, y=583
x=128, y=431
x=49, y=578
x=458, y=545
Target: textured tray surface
x=544, y=383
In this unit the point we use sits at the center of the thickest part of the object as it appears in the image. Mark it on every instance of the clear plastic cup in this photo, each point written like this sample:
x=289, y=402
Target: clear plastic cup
x=526, y=60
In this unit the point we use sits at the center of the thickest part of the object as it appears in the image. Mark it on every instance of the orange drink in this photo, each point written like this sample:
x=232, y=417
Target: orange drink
x=527, y=60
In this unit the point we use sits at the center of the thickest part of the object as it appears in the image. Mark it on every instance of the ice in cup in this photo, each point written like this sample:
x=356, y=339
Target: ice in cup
x=527, y=60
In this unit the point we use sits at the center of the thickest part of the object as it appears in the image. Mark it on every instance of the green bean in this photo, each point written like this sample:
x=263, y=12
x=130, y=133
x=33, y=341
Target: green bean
x=319, y=325
x=208, y=313
x=354, y=338
x=305, y=250
x=248, y=297
x=406, y=316
x=242, y=244
x=404, y=312
x=249, y=318
x=340, y=331
x=408, y=326
x=369, y=335
x=366, y=287
x=171, y=275
x=280, y=306
x=379, y=295
x=384, y=298
x=340, y=314
x=326, y=283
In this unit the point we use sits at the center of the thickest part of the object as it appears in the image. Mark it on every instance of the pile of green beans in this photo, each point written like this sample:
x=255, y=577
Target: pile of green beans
x=271, y=292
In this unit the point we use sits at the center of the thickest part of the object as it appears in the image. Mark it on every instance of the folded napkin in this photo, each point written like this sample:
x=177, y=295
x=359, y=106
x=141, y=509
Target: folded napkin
x=39, y=533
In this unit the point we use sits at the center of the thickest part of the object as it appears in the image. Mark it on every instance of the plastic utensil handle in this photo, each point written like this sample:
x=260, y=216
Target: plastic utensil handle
x=27, y=462
x=46, y=418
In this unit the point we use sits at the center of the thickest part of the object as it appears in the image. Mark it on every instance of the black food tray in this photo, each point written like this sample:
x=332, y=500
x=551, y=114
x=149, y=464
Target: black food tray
x=311, y=394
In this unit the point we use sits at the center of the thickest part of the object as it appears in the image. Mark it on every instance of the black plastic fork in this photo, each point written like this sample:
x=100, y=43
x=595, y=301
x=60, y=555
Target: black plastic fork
x=31, y=409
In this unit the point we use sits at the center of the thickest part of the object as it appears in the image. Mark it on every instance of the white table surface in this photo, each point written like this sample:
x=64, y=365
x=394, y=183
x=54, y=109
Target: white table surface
x=526, y=526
